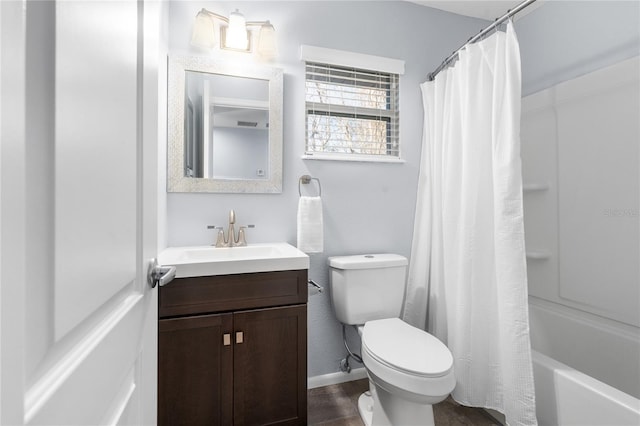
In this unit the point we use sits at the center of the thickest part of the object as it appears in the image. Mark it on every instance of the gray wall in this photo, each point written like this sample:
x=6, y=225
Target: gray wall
x=566, y=39
x=369, y=207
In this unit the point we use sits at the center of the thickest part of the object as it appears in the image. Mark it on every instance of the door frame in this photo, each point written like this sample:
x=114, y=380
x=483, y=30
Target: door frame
x=12, y=208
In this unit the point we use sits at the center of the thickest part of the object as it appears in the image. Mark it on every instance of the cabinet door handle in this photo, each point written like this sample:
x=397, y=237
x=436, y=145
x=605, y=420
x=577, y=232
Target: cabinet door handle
x=226, y=339
x=239, y=337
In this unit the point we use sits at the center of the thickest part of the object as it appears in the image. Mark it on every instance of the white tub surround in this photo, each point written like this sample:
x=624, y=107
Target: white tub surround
x=580, y=139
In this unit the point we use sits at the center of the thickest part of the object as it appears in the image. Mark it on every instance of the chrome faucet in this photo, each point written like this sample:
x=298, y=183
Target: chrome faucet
x=230, y=240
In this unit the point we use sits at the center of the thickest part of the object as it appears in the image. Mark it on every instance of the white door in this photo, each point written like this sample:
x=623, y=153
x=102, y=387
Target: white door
x=78, y=194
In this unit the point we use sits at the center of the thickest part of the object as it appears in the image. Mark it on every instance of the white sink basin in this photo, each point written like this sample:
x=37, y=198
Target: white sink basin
x=200, y=261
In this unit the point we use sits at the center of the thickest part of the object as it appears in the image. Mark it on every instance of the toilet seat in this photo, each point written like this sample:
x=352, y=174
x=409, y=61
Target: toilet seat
x=402, y=347
x=408, y=360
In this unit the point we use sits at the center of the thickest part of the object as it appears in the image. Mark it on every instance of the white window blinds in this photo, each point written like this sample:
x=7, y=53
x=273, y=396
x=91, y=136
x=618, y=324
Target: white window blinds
x=351, y=111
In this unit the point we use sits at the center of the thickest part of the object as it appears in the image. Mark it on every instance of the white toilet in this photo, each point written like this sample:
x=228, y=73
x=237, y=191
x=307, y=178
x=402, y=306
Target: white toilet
x=409, y=370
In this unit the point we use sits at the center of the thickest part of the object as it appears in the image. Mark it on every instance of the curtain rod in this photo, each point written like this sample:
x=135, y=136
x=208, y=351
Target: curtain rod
x=478, y=36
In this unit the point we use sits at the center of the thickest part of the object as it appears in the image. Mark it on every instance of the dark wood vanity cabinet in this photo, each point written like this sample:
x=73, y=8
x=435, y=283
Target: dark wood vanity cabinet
x=195, y=371
x=232, y=349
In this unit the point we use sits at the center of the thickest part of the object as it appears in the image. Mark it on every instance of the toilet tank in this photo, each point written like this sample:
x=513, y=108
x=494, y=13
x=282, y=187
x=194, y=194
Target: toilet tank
x=367, y=287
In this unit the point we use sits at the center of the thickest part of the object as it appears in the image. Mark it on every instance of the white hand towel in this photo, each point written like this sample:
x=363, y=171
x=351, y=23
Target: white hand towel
x=310, y=229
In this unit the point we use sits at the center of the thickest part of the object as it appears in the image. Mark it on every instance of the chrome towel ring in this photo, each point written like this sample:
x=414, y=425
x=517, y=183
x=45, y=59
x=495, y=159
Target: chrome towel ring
x=305, y=180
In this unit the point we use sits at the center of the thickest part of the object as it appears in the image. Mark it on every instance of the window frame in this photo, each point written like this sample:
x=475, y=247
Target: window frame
x=356, y=63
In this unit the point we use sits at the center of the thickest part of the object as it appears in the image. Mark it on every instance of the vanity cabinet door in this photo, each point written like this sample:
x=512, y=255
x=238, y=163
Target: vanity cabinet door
x=195, y=367
x=270, y=366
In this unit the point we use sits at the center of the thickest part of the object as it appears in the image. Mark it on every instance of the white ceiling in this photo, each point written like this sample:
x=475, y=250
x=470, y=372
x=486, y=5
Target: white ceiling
x=483, y=9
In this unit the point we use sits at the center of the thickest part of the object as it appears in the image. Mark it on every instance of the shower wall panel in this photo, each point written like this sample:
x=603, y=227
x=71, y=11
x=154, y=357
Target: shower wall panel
x=598, y=138
x=581, y=172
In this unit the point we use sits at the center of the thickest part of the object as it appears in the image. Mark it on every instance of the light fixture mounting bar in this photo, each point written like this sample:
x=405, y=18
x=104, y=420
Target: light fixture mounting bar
x=221, y=17
x=257, y=23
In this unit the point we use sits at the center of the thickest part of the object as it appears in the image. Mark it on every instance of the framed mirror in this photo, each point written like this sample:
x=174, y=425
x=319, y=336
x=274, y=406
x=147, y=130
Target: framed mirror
x=224, y=127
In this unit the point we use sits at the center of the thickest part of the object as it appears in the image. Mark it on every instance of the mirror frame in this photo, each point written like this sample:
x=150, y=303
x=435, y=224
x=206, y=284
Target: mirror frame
x=176, y=181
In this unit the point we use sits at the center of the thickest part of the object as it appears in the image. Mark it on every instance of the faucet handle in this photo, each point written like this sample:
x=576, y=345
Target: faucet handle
x=242, y=240
x=221, y=241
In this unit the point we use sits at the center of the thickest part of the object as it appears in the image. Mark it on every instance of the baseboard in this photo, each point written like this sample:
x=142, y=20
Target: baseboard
x=335, y=378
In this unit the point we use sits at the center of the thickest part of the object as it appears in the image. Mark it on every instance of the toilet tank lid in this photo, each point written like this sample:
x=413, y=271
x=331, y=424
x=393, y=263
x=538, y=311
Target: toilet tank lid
x=367, y=261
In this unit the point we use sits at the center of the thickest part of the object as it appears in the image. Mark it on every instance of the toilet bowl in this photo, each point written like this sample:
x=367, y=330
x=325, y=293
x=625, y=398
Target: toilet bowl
x=409, y=370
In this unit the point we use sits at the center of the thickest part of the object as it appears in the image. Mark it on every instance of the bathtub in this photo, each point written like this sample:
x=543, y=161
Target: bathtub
x=567, y=397
x=565, y=341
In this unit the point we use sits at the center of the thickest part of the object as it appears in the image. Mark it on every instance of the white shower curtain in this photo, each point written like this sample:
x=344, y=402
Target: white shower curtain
x=467, y=277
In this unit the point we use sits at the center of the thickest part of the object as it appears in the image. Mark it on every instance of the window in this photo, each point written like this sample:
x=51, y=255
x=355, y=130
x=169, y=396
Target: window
x=351, y=112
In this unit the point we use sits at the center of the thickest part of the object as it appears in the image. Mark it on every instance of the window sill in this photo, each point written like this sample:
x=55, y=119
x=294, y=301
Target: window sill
x=353, y=157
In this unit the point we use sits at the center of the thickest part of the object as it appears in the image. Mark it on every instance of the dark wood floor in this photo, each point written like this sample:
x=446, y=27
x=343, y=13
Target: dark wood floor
x=337, y=405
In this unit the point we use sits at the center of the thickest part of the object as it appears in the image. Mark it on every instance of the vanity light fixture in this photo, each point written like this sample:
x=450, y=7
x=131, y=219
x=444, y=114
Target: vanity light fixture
x=237, y=36
x=203, y=34
x=235, y=33
x=267, y=46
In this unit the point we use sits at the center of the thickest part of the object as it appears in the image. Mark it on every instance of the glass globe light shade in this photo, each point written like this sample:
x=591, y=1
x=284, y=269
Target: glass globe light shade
x=236, y=35
x=203, y=34
x=267, y=46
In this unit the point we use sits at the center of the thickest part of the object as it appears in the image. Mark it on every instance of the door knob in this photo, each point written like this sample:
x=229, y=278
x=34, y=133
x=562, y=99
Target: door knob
x=160, y=275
